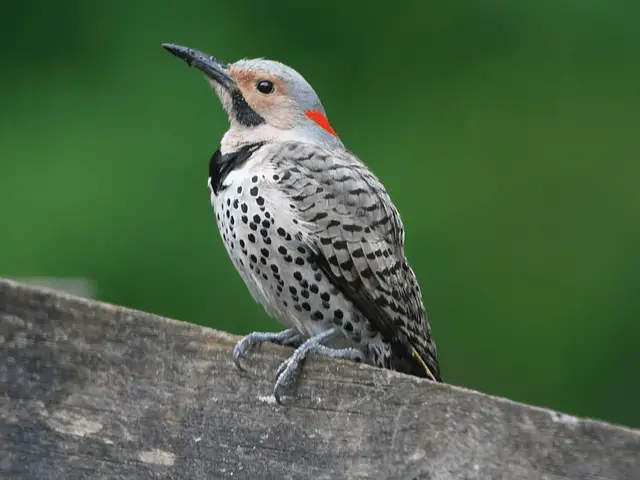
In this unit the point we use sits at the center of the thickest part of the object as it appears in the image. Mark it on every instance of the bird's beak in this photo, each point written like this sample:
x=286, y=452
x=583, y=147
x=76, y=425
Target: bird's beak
x=210, y=66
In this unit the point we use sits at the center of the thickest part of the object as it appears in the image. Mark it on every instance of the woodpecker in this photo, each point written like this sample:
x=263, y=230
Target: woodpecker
x=311, y=230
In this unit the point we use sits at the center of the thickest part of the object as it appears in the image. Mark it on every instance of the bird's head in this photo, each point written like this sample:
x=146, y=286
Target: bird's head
x=264, y=100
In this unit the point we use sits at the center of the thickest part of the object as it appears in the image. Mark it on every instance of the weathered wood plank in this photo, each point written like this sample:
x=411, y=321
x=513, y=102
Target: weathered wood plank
x=90, y=390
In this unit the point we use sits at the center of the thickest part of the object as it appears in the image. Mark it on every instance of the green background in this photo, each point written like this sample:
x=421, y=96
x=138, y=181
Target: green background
x=506, y=131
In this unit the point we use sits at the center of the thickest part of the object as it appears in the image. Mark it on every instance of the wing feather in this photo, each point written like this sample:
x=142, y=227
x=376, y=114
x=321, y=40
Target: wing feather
x=357, y=235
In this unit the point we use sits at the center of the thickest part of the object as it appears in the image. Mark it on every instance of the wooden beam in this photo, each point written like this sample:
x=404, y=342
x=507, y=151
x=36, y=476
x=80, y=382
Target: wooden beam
x=91, y=390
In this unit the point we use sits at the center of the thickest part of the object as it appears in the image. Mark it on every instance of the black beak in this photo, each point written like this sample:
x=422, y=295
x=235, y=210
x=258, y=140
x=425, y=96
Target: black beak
x=210, y=66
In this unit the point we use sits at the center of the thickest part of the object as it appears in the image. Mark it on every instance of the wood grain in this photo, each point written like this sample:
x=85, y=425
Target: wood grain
x=91, y=390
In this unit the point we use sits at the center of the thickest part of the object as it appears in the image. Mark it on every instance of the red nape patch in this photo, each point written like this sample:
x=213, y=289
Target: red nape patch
x=318, y=117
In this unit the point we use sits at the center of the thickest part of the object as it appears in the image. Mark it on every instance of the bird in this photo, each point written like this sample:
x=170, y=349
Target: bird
x=309, y=227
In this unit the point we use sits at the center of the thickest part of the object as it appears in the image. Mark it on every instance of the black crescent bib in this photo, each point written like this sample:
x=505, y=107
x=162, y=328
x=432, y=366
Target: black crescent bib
x=222, y=165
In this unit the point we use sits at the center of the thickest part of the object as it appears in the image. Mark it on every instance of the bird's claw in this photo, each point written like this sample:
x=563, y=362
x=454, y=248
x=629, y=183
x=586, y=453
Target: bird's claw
x=286, y=376
x=283, y=366
x=240, y=351
x=247, y=343
x=289, y=370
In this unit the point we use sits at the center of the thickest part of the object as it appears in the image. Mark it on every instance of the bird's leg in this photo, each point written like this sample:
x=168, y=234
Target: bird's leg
x=287, y=338
x=289, y=370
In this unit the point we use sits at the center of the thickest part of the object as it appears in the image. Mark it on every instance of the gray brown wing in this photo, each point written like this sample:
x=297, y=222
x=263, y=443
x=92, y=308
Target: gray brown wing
x=358, y=238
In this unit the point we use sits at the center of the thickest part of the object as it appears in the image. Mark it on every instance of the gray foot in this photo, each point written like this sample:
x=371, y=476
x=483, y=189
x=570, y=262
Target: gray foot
x=290, y=369
x=287, y=338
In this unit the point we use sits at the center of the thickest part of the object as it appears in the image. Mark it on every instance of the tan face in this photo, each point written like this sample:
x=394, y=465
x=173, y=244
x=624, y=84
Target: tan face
x=268, y=96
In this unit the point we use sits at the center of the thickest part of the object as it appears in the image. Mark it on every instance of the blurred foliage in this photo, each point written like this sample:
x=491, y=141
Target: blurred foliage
x=506, y=132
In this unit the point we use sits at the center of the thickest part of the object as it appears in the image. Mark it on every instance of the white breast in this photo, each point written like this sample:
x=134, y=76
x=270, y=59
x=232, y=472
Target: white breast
x=234, y=205
x=250, y=211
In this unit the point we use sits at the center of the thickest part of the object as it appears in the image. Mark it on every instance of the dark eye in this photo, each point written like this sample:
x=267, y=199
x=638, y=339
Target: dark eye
x=265, y=86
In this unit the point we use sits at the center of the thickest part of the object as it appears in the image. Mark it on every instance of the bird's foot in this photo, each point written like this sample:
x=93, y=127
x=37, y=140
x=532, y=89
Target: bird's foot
x=287, y=338
x=289, y=370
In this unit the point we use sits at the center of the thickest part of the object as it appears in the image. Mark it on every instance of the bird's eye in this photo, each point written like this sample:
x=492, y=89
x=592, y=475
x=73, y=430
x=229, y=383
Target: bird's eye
x=265, y=86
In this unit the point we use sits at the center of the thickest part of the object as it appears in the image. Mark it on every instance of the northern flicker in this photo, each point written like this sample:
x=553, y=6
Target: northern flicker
x=309, y=227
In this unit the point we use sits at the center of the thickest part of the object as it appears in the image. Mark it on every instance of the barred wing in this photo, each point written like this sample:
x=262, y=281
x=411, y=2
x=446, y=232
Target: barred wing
x=357, y=235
